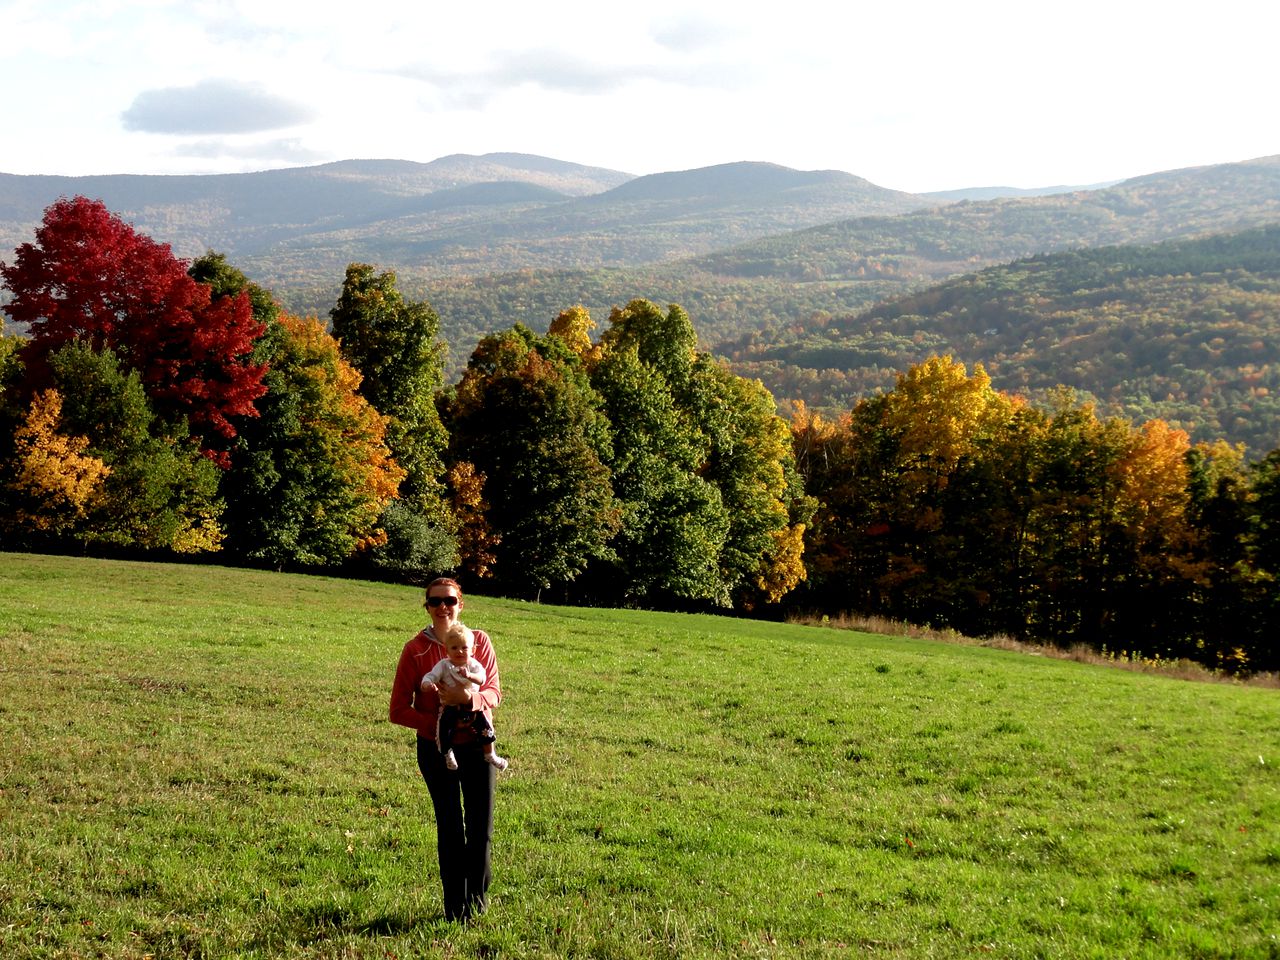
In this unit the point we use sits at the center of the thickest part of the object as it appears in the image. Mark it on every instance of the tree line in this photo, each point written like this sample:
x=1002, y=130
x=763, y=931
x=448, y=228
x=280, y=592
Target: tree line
x=155, y=405
x=946, y=502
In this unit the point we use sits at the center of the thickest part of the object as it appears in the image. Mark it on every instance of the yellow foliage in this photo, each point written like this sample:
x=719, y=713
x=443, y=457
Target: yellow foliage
x=1153, y=477
x=51, y=471
x=938, y=412
x=783, y=569
x=201, y=535
x=476, y=541
x=355, y=431
x=574, y=327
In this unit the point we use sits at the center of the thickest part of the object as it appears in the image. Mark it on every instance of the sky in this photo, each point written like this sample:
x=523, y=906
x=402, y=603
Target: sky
x=914, y=96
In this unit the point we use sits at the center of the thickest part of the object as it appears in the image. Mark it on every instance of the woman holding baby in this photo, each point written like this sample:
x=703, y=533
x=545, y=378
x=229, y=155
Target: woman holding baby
x=464, y=692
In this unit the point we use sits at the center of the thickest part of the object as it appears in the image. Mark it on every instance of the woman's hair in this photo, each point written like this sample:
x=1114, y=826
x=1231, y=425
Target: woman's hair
x=445, y=582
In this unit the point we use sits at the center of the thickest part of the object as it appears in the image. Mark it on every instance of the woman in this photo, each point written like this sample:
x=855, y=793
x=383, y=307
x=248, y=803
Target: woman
x=463, y=798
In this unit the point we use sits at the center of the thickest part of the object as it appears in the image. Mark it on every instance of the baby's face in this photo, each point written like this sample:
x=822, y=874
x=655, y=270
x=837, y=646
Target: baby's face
x=459, y=652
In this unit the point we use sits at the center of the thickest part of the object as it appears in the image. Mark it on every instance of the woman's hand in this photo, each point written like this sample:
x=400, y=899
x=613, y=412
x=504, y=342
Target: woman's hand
x=453, y=696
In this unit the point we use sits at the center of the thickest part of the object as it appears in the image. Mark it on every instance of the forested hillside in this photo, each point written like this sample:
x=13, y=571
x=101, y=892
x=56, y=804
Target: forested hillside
x=958, y=238
x=779, y=289
x=1185, y=331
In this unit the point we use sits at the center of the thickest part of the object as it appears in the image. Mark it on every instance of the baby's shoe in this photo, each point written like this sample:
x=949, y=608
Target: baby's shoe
x=450, y=760
x=496, y=761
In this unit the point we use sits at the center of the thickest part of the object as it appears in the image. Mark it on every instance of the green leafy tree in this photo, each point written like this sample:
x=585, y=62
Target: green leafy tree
x=10, y=363
x=525, y=416
x=316, y=472
x=665, y=342
x=750, y=460
x=1229, y=613
x=225, y=280
x=1265, y=516
x=674, y=523
x=1265, y=477
x=160, y=492
x=394, y=344
x=13, y=411
x=714, y=509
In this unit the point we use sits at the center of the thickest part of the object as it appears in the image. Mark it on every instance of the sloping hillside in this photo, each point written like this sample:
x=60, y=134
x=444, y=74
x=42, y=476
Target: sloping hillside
x=775, y=290
x=240, y=213
x=457, y=215
x=648, y=220
x=944, y=241
x=1186, y=331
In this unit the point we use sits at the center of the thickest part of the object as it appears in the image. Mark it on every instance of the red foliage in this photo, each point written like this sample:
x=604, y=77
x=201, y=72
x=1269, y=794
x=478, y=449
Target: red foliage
x=91, y=276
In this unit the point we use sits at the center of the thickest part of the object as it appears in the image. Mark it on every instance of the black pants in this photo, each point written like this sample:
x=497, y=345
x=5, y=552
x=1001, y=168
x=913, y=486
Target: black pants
x=463, y=801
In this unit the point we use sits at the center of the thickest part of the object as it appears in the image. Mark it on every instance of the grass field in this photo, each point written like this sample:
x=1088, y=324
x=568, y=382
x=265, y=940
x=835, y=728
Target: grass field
x=196, y=763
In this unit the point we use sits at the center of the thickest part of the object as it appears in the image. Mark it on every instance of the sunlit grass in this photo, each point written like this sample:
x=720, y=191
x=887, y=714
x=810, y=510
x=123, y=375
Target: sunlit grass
x=197, y=763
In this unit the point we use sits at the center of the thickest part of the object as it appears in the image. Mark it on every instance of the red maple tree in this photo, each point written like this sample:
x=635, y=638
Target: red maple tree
x=90, y=276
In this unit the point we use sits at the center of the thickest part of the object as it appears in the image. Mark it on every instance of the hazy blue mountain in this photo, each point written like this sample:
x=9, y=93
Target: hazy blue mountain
x=457, y=214
x=237, y=213
x=996, y=193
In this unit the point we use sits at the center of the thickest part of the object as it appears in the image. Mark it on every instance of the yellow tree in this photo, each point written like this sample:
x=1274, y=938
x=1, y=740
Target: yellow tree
x=476, y=540
x=53, y=481
x=822, y=454
x=574, y=327
x=937, y=414
x=1152, y=487
x=910, y=445
x=1159, y=565
x=751, y=460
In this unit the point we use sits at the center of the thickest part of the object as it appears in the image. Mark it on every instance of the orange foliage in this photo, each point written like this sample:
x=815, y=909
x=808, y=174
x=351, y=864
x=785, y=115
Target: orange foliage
x=476, y=541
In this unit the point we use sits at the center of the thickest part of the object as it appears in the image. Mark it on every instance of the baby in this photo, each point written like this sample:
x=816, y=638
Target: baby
x=460, y=670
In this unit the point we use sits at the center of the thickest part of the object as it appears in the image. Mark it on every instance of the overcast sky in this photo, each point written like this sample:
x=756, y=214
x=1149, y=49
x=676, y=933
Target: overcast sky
x=914, y=96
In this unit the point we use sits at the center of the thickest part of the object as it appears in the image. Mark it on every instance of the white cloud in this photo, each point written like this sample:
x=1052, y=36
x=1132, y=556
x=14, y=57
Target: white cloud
x=213, y=106
x=915, y=95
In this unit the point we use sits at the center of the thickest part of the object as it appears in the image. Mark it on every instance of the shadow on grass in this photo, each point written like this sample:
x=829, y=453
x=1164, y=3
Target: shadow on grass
x=320, y=923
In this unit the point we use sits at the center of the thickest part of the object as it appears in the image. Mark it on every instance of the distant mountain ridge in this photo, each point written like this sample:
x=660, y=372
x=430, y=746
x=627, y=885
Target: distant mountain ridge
x=289, y=228
x=845, y=266
x=958, y=238
x=997, y=193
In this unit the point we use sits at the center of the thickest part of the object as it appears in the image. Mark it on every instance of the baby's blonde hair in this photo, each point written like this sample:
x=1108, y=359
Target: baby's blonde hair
x=460, y=631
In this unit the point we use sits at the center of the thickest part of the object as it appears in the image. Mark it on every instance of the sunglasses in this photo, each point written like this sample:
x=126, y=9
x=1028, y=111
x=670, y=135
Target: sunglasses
x=447, y=601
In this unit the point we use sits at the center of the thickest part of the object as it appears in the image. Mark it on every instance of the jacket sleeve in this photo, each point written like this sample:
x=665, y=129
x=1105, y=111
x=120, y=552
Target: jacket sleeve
x=490, y=693
x=403, y=690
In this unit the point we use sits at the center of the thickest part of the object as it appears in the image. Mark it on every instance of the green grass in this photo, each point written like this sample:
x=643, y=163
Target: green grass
x=196, y=762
